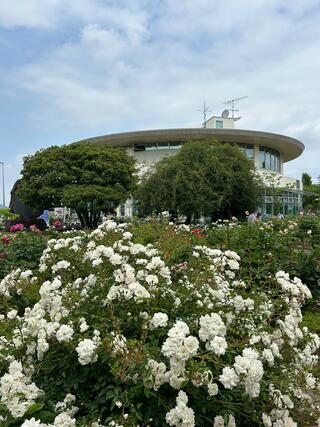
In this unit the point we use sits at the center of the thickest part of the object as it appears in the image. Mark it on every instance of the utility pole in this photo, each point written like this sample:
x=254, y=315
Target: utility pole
x=3, y=186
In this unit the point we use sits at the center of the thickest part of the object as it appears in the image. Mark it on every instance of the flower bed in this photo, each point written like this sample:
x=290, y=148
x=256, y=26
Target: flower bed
x=115, y=331
x=21, y=249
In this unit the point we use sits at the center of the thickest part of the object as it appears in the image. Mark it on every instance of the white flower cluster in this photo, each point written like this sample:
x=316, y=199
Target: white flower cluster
x=130, y=280
x=184, y=325
x=247, y=369
x=61, y=265
x=83, y=325
x=42, y=320
x=103, y=229
x=159, y=320
x=295, y=289
x=54, y=246
x=219, y=421
x=278, y=418
x=87, y=349
x=61, y=420
x=64, y=333
x=212, y=331
x=241, y=304
x=66, y=406
x=14, y=281
x=181, y=415
x=138, y=269
x=159, y=374
x=17, y=391
x=118, y=343
x=179, y=347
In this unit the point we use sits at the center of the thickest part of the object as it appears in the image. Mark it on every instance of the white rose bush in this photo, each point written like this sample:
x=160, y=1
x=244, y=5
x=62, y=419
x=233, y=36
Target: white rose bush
x=112, y=332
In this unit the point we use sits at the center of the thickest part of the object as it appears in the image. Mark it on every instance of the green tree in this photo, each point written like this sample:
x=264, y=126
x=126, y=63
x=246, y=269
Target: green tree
x=90, y=178
x=311, y=197
x=311, y=193
x=204, y=179
x=306, y=179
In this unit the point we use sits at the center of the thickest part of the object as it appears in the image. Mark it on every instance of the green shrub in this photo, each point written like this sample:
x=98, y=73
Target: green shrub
x=23, y=251
x=311, y=319
x=293, y=246
x=113, y=332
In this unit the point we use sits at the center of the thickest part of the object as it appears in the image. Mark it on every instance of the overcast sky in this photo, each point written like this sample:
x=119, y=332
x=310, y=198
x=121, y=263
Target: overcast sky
x=80, y=68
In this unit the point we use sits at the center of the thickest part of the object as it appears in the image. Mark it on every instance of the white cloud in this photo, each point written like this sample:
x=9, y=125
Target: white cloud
x=54, y=14
x=30, y=13
x=143, y=64
x=309, y=133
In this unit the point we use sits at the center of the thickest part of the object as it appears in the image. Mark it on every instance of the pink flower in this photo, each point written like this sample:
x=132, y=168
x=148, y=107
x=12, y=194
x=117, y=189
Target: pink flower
x=34, y=228
x=57, y=224
x=5, y=240
x=181, y=266
x=16, y=227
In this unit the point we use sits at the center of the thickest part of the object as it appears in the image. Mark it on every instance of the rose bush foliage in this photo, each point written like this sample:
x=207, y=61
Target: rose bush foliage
x=114, y=332
x=21, y=249
x=292, y=245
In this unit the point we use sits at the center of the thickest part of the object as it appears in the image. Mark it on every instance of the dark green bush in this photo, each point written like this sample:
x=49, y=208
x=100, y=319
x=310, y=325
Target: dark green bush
x=23, y=251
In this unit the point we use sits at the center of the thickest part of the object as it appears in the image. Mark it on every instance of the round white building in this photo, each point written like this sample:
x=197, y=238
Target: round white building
x=268, y=151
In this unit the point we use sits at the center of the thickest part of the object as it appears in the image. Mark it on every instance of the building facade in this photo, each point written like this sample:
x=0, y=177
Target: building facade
x=268, y=151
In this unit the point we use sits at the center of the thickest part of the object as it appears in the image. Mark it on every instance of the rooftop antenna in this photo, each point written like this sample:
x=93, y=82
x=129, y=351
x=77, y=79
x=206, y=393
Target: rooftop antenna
x=232, y=103
x=204, y=111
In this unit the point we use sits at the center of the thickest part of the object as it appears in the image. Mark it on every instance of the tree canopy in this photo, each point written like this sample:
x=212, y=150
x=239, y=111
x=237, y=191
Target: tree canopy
x=90, y=178
x=204, y=179
x=306, y=179
x=311, y=193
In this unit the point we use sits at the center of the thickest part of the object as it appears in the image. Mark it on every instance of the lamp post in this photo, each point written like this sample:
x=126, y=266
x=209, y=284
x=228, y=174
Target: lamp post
x=3, y=189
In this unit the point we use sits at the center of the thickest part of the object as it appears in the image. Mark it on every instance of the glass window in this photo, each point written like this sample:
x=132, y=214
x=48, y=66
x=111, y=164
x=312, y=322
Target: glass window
x=287, y=203
x=219, y=124
x=163, y=146
x=249, y=151
x=269, y=208
x=139, y=147
x=262, y=158
x=273, y=162
x=175, y=145
x=151, y=147
x=268, y=160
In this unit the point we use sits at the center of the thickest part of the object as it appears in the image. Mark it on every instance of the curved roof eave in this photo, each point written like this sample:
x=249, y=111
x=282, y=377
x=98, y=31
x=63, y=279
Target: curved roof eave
x=290, y=148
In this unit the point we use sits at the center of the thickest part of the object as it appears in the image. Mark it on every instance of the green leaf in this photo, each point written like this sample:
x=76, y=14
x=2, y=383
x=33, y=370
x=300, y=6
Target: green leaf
x=35, y=407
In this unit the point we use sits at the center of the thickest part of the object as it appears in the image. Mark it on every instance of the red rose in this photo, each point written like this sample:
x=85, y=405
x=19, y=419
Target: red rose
x=196, y=231
x=5, y=240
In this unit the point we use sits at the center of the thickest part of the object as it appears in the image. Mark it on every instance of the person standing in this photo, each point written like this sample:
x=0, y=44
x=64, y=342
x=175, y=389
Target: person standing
x=252, y=217
x=258, y=217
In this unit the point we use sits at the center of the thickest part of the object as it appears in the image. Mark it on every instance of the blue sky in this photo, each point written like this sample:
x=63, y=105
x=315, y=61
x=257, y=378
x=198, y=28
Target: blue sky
x=79, y=68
